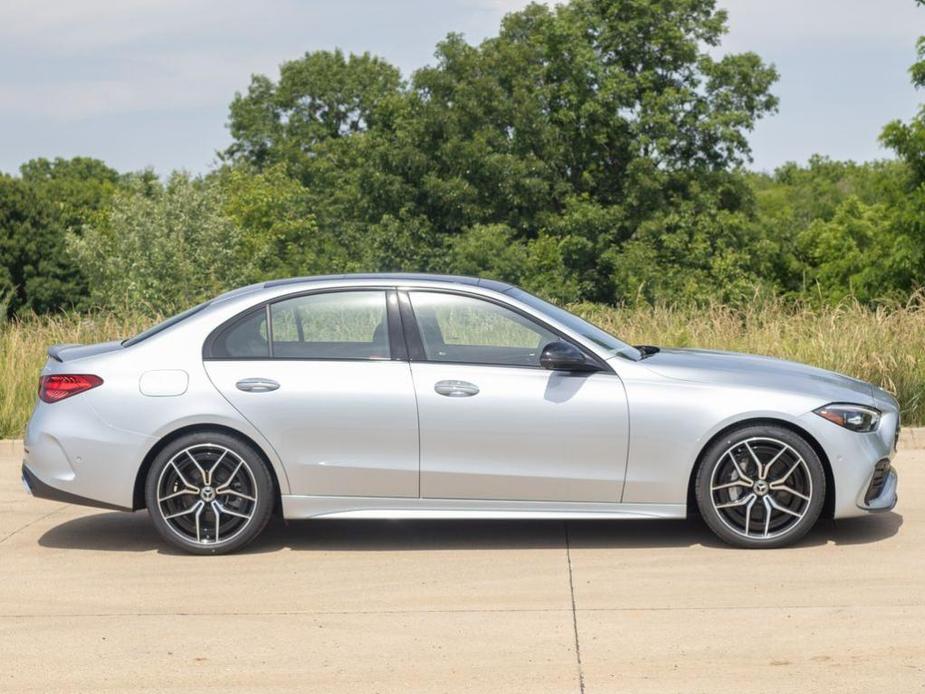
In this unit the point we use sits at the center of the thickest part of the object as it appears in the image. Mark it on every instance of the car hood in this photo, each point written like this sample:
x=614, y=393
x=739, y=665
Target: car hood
x=753, y=370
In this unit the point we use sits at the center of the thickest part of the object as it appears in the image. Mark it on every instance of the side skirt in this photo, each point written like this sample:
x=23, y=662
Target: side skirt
x=296, y=507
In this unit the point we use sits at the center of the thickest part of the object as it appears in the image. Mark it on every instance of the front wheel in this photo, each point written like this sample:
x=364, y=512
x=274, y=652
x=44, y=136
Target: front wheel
x=209, y=493
x=760, y=486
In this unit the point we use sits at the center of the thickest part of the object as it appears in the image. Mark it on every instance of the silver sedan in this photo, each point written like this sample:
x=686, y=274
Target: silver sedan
x=422, y=396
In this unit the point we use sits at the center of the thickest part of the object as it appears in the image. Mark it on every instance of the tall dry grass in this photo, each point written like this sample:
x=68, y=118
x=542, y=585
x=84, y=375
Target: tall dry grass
x=884, y=346
x=22, y=354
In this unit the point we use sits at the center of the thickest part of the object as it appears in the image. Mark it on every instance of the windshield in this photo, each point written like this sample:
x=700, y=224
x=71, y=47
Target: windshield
x=173, y=320
x=604, y=340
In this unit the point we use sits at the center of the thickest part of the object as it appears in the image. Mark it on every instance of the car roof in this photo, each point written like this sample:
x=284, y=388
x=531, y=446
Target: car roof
x=397, y=276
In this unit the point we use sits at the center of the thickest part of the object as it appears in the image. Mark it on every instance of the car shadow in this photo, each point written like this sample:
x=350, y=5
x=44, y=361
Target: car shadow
x=133, y=532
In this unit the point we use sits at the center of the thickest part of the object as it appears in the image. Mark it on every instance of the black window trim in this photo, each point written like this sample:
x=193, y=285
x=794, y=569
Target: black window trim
x=416, y=345
x=166, y=324
x=397, y=348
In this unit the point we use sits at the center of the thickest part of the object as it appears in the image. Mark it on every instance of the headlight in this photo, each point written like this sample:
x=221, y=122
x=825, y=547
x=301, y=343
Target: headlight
x=855, y=417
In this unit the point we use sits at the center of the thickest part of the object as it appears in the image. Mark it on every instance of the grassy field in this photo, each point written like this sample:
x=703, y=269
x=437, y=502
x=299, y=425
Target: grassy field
x=883, y=346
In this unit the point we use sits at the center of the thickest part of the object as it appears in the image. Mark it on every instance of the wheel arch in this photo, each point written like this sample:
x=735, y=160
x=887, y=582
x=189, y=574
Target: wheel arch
x=138, y=493
x=828, y=507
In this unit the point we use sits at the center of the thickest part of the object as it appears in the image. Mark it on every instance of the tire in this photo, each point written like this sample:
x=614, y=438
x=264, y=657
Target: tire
x=209, y=493
x=770, y=506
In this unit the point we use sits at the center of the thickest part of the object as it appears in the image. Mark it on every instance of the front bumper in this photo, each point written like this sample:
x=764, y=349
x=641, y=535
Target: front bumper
x=864, y=481
x=880, y=494
x=42, y=490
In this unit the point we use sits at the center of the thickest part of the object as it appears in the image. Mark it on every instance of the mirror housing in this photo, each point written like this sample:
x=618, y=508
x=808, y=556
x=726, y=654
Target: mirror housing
x=564, y=356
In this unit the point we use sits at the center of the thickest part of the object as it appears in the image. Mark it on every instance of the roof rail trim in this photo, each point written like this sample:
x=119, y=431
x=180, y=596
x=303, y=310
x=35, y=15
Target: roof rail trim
x=392, y=276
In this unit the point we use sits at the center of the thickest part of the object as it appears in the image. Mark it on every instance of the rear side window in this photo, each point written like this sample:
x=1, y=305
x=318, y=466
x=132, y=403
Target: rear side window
x=245, y=338
x=334, y=325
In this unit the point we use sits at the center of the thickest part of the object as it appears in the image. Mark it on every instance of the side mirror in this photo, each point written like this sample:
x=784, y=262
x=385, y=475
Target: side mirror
x=564, y=356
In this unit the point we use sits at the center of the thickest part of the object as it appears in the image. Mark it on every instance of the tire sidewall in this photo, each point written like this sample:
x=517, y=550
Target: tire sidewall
x=712, y=457
x=262, y=480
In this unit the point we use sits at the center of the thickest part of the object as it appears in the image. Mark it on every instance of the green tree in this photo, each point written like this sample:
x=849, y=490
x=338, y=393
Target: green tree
x=77, y=188
x=278, y=230
x=854, y=254
x=35, y=274
x=320, y=97
x=797, y=197
x=563, y=136
x=163, y=247
x=908, y=139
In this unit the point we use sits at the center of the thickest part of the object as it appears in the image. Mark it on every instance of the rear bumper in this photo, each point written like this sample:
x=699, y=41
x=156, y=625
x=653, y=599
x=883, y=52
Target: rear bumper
x=41, y=490
x=70, y=449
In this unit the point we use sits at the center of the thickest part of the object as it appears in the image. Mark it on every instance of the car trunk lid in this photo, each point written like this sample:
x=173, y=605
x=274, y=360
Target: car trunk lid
x=71, y=351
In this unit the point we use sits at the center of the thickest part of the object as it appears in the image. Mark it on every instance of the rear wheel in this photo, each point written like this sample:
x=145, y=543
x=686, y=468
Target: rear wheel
x=209, y=493
x=760, y=486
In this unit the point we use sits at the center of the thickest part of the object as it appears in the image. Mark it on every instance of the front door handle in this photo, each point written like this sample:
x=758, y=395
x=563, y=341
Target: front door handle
x=257, y=385
x=456, y=389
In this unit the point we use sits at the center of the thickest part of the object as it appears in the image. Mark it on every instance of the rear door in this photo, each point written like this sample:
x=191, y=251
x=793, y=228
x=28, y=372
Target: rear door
x=324, y=377
x=496, y=425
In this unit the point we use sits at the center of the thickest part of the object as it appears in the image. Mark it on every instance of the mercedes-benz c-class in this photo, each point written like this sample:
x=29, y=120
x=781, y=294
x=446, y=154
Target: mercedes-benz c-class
x=423, y=396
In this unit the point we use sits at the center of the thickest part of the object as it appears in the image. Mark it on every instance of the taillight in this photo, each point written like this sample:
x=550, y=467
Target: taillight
x=60, y=386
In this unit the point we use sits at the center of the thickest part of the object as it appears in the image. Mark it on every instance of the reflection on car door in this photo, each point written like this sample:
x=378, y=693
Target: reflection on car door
x=494, y=425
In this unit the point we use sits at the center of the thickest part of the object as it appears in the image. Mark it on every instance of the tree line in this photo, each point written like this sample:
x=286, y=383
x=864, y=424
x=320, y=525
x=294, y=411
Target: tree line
x=595, y=151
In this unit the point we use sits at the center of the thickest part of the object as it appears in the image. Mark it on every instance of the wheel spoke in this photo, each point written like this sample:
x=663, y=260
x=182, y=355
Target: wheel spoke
x=232, y=492
x=217, y=521
x=215, y=467
x=782, y=509
x=755, y=458
x=767, y=467
x=742, y=475
x=192, y=509
x=738, y=502
x=788, y=473
x=767, y=516
x=162, y=499
x=227, y=482
x=789, y=490
x=201, y=505
x=729, y=485
x=748, y=513
x=185, y=481
x=202, y=473
x=224, y=509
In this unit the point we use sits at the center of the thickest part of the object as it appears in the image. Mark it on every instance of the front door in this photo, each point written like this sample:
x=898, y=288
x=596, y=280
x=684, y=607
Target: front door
x=495, y=425
x=317, y=379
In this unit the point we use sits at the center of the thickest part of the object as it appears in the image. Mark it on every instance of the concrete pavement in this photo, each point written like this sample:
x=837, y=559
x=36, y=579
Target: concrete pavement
x=93, y=601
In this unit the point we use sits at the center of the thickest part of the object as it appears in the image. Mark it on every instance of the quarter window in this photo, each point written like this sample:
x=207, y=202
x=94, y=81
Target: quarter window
x=244, y=338
x=463, y=329
x=334, y=325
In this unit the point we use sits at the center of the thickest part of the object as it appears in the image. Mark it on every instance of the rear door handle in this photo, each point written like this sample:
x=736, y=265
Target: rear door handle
x=456, y=389
x=257, y=385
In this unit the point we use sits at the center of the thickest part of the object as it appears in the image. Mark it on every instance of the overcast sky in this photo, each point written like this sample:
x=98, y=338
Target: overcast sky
x=142, y=83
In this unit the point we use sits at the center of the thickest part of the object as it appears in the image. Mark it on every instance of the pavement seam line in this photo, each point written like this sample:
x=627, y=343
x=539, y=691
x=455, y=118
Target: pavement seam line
x=32, y=522
x=571, y=587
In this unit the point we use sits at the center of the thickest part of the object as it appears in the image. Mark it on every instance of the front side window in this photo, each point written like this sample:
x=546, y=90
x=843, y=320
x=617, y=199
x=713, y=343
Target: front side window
x=333, y=325
x=467, y=330
x=610, y=344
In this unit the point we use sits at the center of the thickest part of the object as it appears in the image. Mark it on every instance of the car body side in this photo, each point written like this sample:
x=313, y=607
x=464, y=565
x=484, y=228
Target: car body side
x=161, y=385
